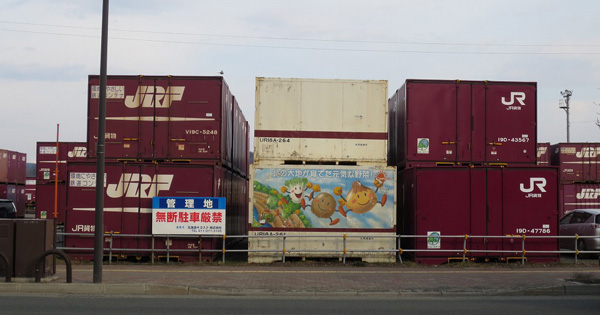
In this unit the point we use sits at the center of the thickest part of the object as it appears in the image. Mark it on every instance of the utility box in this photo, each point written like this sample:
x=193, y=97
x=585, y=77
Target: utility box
x=32, y=238
x=7, y=243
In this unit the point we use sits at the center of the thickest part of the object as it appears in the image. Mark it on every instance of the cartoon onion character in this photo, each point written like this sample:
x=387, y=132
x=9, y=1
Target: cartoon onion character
x=360, y=199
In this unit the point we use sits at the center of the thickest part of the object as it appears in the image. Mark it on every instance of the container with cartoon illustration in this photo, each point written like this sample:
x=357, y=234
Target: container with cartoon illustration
x=324, y=197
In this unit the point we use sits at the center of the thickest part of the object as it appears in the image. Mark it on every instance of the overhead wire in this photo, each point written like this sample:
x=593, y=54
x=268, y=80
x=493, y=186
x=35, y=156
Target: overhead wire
x=308, y=40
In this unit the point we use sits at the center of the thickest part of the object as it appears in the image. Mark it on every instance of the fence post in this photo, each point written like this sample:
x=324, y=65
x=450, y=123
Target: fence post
x=110, y=248
x=152, y=249
x=345, y=236
x=223, y=259
x=200, y=248
x=465, y=247
x=283, y=249
x=576, y=248
x=523, y=252
x=399, y=237
x=168, y=249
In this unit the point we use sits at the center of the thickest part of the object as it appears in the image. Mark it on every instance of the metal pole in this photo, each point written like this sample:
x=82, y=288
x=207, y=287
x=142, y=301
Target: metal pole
x=99, y=215
x=56, y=176
x=566, y=94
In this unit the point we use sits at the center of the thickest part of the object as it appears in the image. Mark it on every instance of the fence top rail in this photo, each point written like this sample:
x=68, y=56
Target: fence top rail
x=467, y=236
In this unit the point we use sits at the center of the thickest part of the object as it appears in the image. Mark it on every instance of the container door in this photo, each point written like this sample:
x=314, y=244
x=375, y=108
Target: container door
x=442, y=207
x=432, y=122
x=194, y=124
x=129, y=102
x=511, y=123
x=486, y=212
x=531, y=209
x=464, y=124
x=479, y=145
x=169, y=98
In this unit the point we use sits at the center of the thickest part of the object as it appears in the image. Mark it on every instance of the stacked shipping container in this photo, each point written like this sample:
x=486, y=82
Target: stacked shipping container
x=165, y=136
x=579, y=175
x=467, y=155
x=318, y=145
x=13, y=167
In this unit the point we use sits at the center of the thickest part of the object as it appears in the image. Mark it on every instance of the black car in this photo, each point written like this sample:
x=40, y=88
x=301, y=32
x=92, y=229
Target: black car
x=7, y=209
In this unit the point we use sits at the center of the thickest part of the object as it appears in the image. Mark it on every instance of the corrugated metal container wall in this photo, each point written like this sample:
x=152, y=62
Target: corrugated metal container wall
x=240, y=138
x=44, y=208
x=578, y=162
x=12, y=167
x=3, y=166
x=30, y=190
x=463, y=122
x=320, y=120
x=21, y=200
x=479, y=201
x=21, y=168
x=578, y=196
x=128, y=203
x=163, y=117
x=543, y=154
x=46, y=159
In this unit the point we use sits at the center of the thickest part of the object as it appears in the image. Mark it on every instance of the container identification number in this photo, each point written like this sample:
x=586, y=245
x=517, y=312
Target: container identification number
x=532, y=231
x=514, y=140
x=201, y=132
x=279, y=140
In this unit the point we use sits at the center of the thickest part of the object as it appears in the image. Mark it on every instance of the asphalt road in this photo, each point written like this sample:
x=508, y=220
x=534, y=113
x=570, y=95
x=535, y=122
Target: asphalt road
x=150, y=305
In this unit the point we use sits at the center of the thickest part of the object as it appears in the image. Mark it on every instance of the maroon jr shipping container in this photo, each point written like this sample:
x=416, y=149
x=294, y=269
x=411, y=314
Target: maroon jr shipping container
x=480, y=201
x=128, y=204
x=463, y=122
x=13, y=167
x=543, y=154
x=577, y=162
x=46, y=160
x=578, y=196
x=175, y=118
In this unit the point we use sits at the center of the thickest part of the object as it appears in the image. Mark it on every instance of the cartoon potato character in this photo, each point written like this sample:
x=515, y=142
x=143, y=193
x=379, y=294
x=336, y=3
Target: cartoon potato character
x=323, y=206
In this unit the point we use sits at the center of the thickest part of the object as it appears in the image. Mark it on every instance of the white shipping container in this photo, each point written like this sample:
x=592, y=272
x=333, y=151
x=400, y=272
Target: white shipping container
x=321, y=120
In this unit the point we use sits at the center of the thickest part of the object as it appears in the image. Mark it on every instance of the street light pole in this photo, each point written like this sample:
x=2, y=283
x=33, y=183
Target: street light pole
x=566, y=94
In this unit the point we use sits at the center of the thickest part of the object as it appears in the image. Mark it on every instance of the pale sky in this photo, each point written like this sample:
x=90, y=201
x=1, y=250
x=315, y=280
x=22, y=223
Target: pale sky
x=50, y=47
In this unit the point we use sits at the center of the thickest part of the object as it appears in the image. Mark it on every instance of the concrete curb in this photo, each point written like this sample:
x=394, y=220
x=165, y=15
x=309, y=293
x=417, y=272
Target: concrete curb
x=151, y=289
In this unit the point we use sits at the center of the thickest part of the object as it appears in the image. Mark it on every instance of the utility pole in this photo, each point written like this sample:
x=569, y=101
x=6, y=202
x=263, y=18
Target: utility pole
x=99, y=213
x=566, y=94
